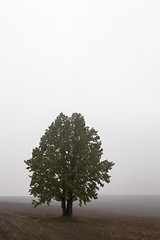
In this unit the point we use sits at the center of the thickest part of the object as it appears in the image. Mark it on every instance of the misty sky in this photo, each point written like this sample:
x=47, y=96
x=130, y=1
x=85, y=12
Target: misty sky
x=99, y=58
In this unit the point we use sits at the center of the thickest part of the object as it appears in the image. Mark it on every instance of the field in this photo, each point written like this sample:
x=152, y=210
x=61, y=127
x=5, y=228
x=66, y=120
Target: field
x=19, y=221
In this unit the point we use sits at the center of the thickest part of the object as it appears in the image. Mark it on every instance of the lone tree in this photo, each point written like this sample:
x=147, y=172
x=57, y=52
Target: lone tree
x=66, y=166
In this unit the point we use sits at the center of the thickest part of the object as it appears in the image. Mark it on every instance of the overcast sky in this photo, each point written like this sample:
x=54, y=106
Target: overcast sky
x=99, y=58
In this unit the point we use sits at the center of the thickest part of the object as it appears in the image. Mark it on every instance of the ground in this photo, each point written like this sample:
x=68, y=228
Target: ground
x=19, y=221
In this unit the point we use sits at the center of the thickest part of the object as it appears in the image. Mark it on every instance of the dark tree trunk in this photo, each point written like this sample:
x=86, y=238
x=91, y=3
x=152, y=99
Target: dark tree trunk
x=67, y=210
x=63, y=207
x=69, y=207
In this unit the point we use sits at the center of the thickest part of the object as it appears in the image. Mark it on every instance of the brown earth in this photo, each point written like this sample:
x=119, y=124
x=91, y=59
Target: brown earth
x=19, y=221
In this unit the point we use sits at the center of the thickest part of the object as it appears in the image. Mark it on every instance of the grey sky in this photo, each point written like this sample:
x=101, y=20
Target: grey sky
x=99, y=58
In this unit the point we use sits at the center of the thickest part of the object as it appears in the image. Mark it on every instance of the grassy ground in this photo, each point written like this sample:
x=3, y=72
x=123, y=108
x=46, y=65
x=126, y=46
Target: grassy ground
x=22, y=222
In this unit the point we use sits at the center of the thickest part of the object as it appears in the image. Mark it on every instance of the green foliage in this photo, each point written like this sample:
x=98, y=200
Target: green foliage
x=67, y=162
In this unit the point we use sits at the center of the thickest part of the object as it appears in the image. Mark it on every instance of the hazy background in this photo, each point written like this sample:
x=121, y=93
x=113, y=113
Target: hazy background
x=99, y=58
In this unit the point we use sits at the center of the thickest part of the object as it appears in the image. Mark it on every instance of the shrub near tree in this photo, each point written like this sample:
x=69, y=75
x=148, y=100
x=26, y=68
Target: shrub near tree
x=67, y=164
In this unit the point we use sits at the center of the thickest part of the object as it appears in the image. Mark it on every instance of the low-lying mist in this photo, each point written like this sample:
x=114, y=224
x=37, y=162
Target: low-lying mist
x=133, y=205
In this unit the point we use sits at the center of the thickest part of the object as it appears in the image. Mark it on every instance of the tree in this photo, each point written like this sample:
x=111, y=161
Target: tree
x=66, y=166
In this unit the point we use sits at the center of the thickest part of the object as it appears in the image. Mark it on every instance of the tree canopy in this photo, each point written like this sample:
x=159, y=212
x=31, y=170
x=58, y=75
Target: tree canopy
x=67, y=164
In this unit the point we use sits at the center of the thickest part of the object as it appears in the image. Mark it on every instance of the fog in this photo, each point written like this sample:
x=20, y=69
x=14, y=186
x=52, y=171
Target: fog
x=127, y=205
x=99, y=58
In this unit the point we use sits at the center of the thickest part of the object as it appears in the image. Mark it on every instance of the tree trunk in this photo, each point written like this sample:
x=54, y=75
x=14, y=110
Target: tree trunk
x=63, y=205
x=67, y=210
x=69, y=207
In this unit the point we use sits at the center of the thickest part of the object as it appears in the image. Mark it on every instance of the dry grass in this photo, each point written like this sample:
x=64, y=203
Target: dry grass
x=22, y=222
